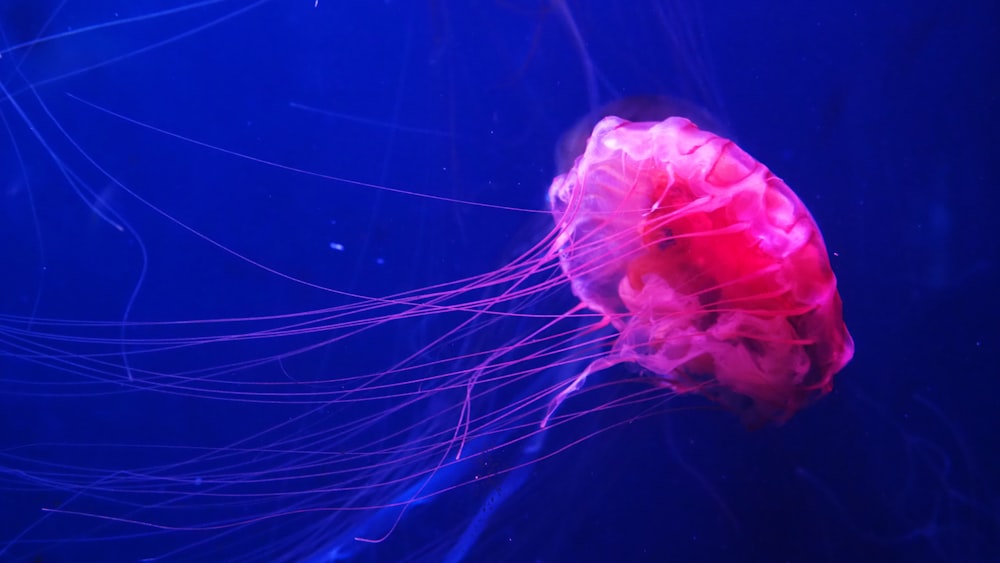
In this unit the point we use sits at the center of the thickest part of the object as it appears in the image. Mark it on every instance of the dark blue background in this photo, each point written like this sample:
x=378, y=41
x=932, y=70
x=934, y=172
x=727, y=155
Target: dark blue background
x=882, y=118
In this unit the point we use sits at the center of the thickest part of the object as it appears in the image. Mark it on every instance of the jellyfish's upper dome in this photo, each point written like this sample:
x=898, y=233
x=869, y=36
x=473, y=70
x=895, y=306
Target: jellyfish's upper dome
x=711, y=268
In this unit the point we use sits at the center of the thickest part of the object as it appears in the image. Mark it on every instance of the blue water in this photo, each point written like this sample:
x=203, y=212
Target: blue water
x=221, y=159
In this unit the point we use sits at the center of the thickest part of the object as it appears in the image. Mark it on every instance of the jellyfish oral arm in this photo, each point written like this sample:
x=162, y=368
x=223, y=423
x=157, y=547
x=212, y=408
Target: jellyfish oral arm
x=578, y=382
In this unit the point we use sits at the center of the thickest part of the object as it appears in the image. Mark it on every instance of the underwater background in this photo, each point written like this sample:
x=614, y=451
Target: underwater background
x=171, y=161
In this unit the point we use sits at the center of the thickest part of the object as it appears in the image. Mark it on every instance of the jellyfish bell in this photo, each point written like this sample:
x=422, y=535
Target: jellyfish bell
x=710, y=267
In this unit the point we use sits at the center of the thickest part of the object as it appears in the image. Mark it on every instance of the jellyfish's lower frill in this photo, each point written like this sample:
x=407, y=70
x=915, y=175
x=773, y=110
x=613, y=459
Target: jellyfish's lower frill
x=710, y=267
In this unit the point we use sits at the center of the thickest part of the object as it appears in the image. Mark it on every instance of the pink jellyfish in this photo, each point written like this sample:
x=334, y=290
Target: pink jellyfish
x=709, y=266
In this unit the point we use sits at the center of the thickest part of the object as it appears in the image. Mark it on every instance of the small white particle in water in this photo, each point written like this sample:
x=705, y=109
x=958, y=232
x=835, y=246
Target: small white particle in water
x=337, y=246
x=380, y=261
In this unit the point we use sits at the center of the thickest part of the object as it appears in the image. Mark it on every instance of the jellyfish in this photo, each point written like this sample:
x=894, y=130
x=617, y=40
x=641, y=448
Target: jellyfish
x=264, y=328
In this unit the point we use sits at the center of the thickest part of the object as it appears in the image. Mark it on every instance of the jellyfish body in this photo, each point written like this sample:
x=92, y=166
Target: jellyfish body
x=709, y=266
